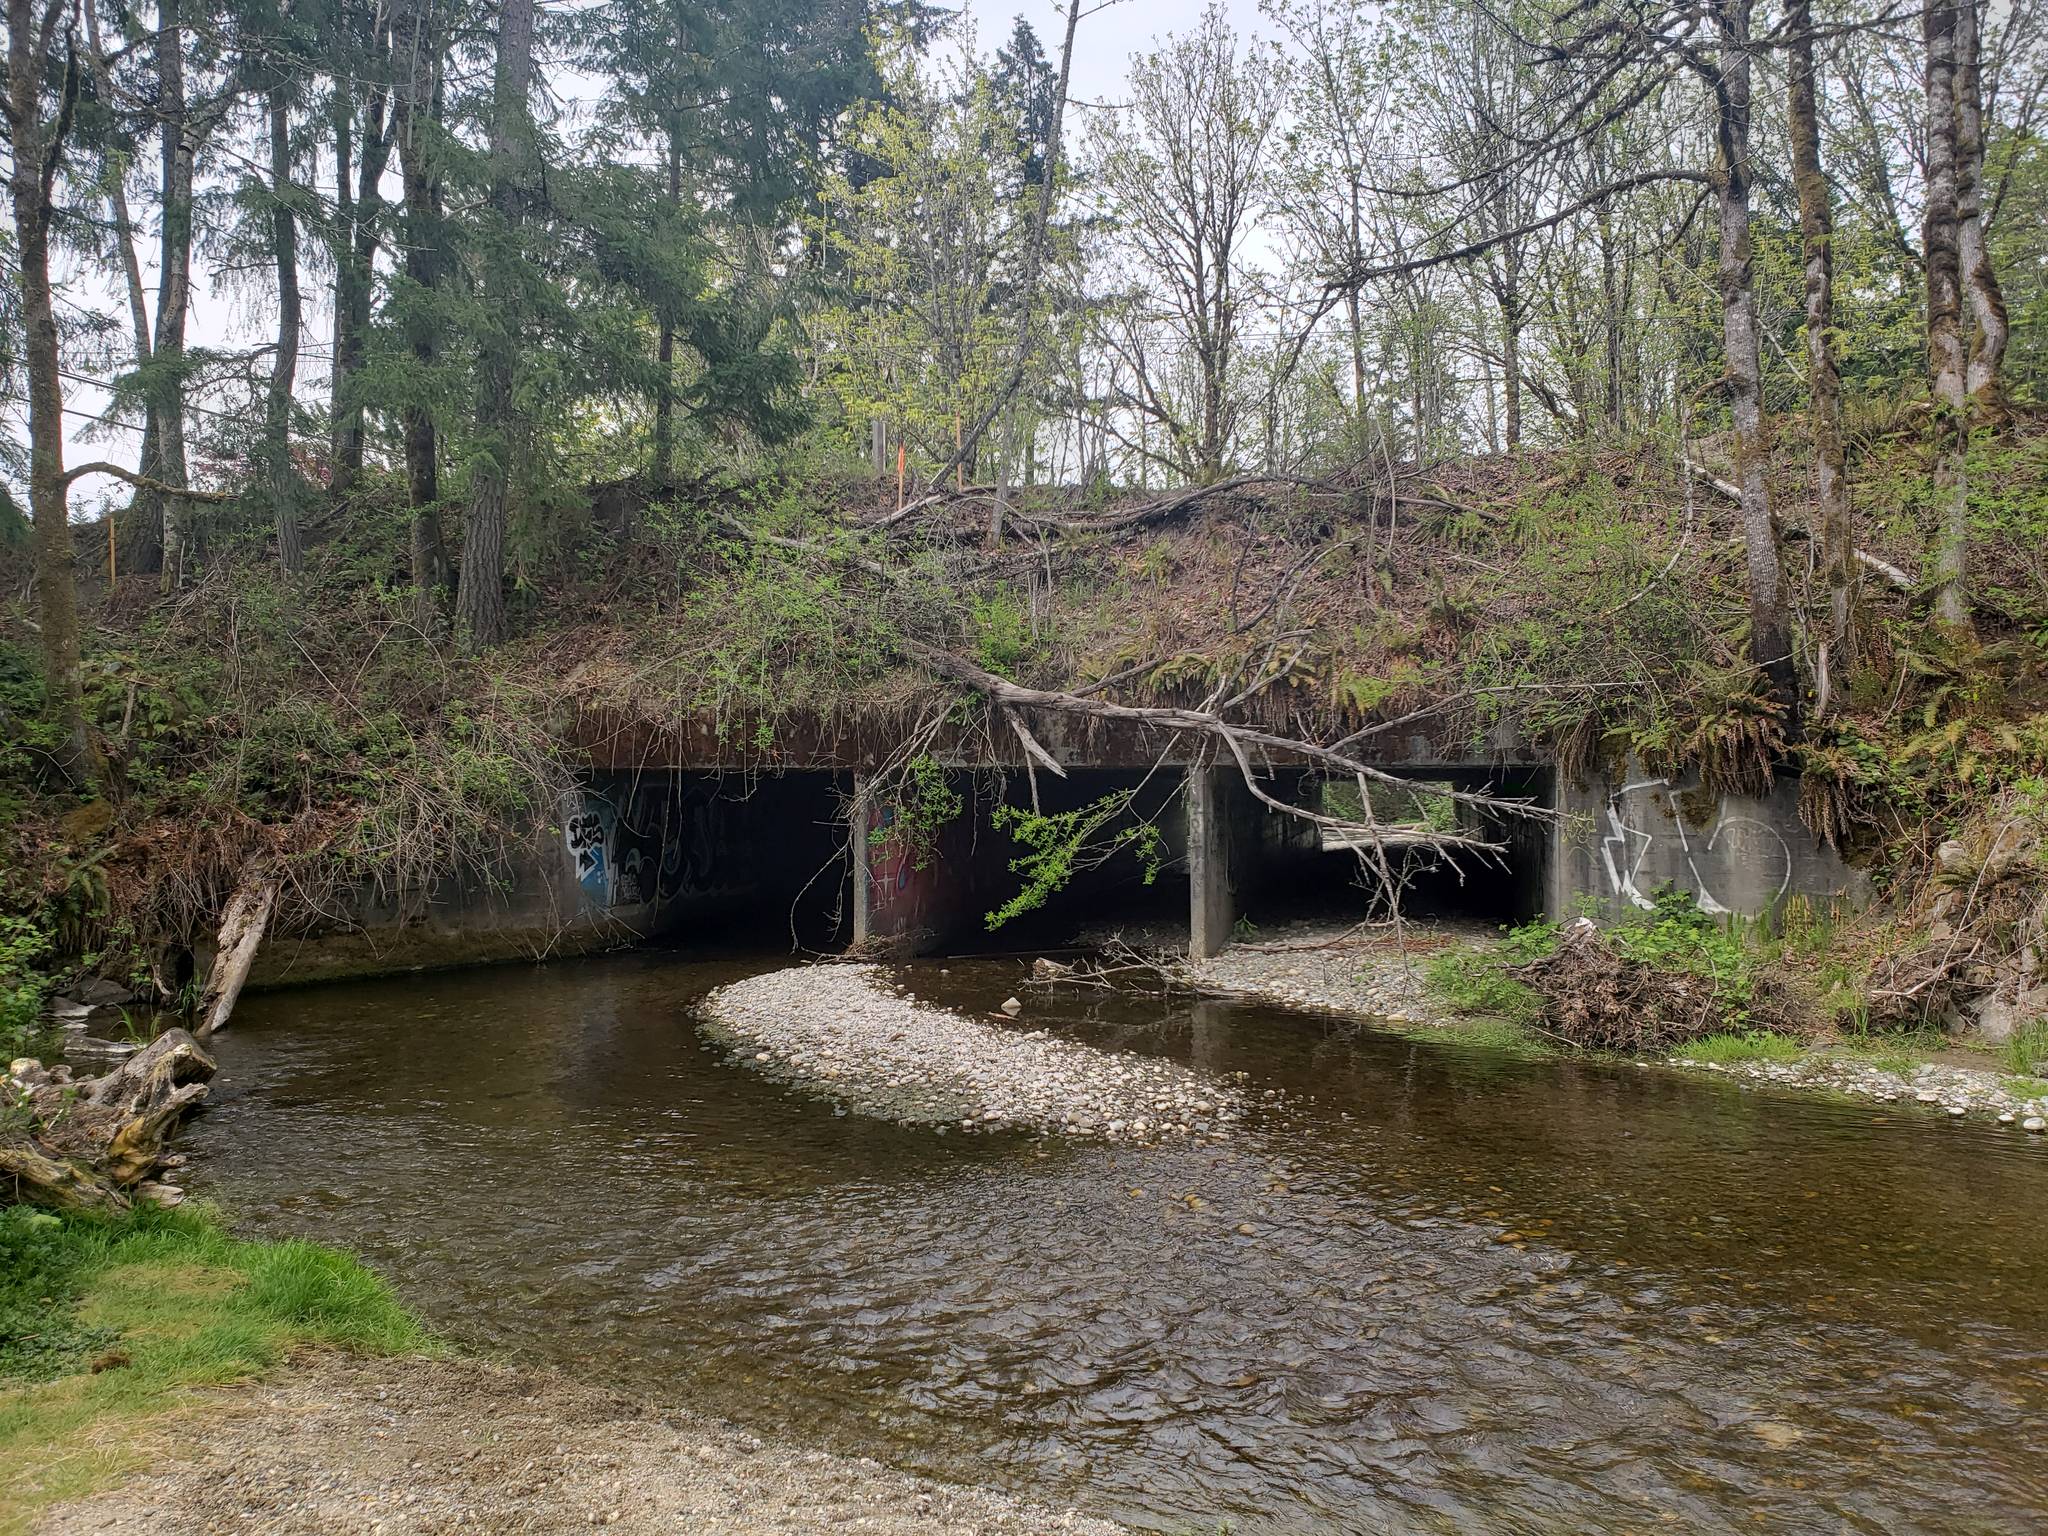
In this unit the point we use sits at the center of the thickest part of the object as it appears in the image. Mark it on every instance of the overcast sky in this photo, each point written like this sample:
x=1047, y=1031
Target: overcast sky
x=1108, y=37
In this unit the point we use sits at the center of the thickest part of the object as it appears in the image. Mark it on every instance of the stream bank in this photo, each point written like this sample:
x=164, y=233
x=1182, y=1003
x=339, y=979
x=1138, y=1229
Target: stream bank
x=414, y=1447
x=1364, y=975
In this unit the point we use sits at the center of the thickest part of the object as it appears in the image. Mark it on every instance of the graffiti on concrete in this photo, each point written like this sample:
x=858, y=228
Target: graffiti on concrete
x=1736, y=842
x=587, y=835
x=655, y=843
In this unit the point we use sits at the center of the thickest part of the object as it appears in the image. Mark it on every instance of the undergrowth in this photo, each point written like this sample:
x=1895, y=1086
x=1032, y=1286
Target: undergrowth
x=1475, y=984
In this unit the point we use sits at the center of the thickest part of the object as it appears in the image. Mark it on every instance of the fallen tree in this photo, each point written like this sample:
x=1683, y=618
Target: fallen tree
x=97, y=1143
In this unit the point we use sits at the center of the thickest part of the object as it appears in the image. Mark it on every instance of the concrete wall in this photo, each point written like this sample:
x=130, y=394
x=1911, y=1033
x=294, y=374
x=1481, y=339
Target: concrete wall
x=1622, y=840
x=627, y=858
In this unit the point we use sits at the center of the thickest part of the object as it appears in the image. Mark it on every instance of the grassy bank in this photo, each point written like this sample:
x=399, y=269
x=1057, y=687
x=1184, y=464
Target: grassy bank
x=107, y=1325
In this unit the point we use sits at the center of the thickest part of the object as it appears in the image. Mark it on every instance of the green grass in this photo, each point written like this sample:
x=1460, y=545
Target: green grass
x=108, y=1324
x=1902, y=1053
x=1475, y=984
x=2026, y=1048
x=1750, y=1045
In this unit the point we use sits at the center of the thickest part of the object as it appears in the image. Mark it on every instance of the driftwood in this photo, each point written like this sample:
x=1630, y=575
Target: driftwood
x=90, y=1143
x=241, y=931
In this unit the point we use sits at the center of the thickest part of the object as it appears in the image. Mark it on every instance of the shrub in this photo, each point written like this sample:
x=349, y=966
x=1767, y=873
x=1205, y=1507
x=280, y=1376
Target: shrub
x=22, y=946
x=1475, y=982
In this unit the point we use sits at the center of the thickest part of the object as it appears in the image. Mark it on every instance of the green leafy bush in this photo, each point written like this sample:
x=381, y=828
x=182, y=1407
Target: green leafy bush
x=22, y=947
x=1675, y=935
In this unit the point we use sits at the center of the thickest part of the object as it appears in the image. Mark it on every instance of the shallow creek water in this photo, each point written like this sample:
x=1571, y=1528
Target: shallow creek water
x=1429, y=1288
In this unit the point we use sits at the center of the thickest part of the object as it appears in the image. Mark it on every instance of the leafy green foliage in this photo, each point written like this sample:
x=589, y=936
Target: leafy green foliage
x=1475, y=982
x=1675, y=935
x=1002, y=633
x=23, y=947
x=1060, y=844
x=926, y=804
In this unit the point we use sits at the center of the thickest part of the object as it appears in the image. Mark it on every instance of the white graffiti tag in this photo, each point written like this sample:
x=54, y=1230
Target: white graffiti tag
x=1745, y=838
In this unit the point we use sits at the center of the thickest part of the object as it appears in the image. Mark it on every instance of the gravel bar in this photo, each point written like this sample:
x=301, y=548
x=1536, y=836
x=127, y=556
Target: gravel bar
x=844, y=1031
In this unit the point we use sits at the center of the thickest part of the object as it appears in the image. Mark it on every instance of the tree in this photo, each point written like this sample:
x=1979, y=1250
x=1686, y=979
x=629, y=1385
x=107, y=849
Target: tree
x=1824, y=380
x=1184, y=173
x=480, y=598
x=358, y=40
x=1947, y=362
x=1990, y=328
x=931, y=240
x=43, y=70
x=416, y=126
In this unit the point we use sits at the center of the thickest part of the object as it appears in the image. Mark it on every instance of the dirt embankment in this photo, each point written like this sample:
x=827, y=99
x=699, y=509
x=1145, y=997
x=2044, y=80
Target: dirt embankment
x=413, y=1447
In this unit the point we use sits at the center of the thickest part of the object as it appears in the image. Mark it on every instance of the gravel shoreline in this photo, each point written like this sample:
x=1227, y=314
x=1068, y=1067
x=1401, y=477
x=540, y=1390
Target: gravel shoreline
x=416, y=1447
x=842, y=1031
x=1320, y=968
x=1958, y=1092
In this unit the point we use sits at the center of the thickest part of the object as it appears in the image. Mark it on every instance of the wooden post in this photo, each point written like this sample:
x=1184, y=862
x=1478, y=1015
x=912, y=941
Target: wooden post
x=959, y=463
x=901, y=459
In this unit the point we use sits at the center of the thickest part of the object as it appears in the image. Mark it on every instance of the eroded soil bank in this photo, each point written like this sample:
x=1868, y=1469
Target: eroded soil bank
x=411, y=1447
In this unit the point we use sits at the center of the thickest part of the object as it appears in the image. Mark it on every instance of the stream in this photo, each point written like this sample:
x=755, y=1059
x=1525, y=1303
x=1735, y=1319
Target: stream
x=1425, y=1287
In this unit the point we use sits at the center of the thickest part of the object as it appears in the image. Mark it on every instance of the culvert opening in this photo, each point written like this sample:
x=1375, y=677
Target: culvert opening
x=727, y=859
x=1288, y=871
x=1119, y=825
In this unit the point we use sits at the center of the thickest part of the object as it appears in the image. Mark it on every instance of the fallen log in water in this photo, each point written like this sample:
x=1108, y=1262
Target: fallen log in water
x=93, y=1143
x=241, y=931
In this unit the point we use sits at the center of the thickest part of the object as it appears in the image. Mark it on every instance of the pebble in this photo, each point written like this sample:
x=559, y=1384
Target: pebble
x=844, y=1031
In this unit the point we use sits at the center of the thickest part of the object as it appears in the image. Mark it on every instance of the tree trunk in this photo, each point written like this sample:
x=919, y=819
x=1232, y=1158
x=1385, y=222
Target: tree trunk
x=1989, y=327
x=1769, y=642
x=358, y=219
x=665, y=347
x=142, y=529
x=36, y=145
x=1941, y=236
x=1511, y=361
x=480, y=599
x=344, y=418
x=284, y=367
x=1817, y=241
x=176, y=154
x=415, y=114
x=1610, y=302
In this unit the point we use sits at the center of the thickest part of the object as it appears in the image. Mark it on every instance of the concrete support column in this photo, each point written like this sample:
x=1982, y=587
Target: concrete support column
x=1212, y=904
x=857, y=855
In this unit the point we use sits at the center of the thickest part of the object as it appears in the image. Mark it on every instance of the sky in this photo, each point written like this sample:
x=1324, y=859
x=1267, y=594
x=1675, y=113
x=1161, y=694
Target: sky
x=1109, y=34
x=1107, y=37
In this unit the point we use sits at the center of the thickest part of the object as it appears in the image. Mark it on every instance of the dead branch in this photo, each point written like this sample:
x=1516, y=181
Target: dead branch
x=1236, y=738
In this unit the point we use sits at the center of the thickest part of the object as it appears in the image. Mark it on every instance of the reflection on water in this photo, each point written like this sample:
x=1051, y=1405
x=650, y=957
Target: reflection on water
x=1428, y=1289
